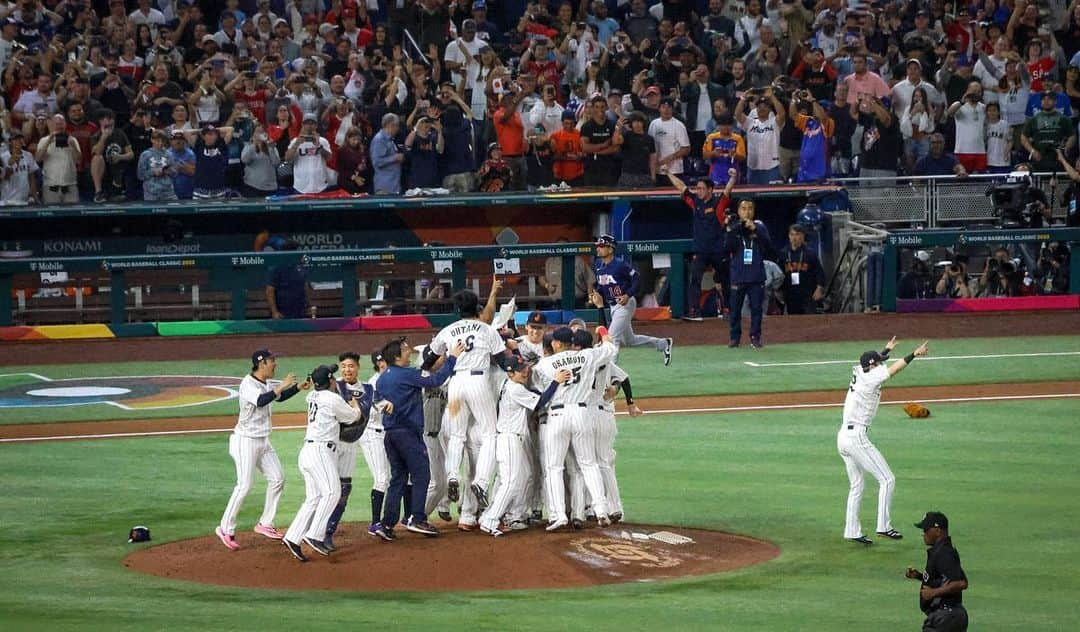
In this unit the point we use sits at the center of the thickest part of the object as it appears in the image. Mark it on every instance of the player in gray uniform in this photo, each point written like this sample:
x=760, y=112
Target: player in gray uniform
x=350, y=388
x=609, y=379
x=434, y=410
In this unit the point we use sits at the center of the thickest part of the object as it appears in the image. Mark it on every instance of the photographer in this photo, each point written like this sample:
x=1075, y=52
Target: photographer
x=1072, y=196
x=58, y=154
x=817, y=129
x=916, y=282
x=1052, y=273
x=1045, y=133
x=423, y=146
x=156, y=169
x=992, y=264
x=953, y=282
x=1001, y=278
x=747, y=243
x=260, y=159
x=308, y=154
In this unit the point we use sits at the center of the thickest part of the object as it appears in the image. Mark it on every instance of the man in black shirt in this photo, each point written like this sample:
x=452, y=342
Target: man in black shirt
x=803, y=276
x=638, y=151
x=943, y=581
x=597, y=136
x=880, y=141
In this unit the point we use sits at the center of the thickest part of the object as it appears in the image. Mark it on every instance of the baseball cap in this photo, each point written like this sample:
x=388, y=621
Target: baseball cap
x=479, y=5
x=537, y=318
x=922, y=12
x=576, y=322
x=468, y=25
x=933, y=519
x=870, y=358
x=1049, y=93
x=913, y=61
x=261, y=354
x=322, y=375
x=208, y=38
x=176, y=133
x=15, y=133
x=310, y=19
x=606, y=240
x=310, y=117
x=428, y=357
x=923, y=256
x=208, y=129
x=515, y=363
x=652, y=90
x=582, y=338
x=376, y=358
x=9, y=22
x=564, y=335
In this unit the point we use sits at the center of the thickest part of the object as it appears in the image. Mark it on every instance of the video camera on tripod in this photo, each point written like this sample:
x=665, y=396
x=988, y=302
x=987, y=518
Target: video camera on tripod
x=1016, y=203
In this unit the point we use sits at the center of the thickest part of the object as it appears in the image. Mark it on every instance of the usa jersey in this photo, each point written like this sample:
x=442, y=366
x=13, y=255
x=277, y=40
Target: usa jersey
x=583, y=364
x=864, y=394
x=615, y=279
x=481, y=341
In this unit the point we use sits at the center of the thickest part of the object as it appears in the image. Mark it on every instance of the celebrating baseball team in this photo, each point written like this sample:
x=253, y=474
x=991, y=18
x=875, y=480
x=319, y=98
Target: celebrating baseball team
x=503, y=426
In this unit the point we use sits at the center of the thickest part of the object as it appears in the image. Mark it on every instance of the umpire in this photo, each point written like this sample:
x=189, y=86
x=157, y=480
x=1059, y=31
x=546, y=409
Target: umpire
x=943, y=581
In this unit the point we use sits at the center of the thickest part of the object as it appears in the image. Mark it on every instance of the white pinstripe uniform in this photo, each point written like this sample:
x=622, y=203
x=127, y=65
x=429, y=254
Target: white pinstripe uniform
x=319, y=464
x=346, y=452
x=860, y=406
x=568, y=424
x=608, y=374
x=371, y=442
x=534, y=487
x=469, y=395
x=250, y=449
x=434, y=409
x=516, y=402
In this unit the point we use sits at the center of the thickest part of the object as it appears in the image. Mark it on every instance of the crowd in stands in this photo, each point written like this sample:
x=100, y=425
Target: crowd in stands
x=164, y=99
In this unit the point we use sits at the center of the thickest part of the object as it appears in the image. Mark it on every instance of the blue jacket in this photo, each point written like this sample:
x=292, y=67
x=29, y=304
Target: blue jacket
x=402, y=387
x=759, y=244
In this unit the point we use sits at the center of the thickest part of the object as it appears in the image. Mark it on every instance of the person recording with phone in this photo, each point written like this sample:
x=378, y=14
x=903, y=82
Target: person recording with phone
x=308, y=154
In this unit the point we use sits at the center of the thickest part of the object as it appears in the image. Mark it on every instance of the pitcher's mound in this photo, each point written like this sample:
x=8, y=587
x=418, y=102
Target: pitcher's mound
x=459, y=561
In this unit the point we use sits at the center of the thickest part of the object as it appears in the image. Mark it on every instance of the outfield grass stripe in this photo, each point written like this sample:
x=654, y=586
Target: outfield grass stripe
x=922, y=359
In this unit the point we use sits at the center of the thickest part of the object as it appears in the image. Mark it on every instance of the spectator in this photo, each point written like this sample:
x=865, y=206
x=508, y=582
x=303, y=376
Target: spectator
x=111, y=155
x=817, y=128
x=952, y=283
x=672, y=142
x=804, y=277
x=955, y=76
x=566, y=146
x=903, y=90
x=840, y=148
x=18, y=178
x=649, y=103
x=457, y=160
x=709, y=222
x=160, y=93
x=815, y=74
x=386, y=158
x=495, y=174
x=762, y=126
x=1045, y=133
x=462, y=54
x=58, y=154
x=545, y=117
x=1072, y=195
x=969, y=114
x=183, y=159
x=880, y=140
x=938, y=162
x=700, y=95
x=998, y=139
x=261, y=159
x=423, y=146
x=1062, y=104
x=41, y=99
x=82, y=130
x=725, y=151
x=749, y=25
x=917, y=282
x=1013, y=94
x=747, y=244
x=156, y=170
x=916, y=125
x=990, y=69
x=598, y=147
x=638, y=151
x=308, y=154
x=510, y=132
x=211, y=162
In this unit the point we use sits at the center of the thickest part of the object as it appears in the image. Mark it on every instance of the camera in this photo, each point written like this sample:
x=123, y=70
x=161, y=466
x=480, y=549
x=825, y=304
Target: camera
x=61, y=140
x=1014, y=202
x=954, y=269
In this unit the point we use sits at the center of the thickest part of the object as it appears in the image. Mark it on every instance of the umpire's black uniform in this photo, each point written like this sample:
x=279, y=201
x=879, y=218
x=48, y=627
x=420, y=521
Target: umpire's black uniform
x=944, y=613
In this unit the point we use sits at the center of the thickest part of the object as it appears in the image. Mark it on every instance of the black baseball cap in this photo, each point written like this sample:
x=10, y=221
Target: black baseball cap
x=606, y=240
x=870, y=358
x=933, y=519
x=322, y=375
x=260, y=355
x=515, y=363
x=537, y=318
x=376, y=358
x=564, y=335
x=582, y=338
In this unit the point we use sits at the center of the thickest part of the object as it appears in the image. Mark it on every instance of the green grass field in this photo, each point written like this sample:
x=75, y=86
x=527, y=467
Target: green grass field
x=1004, y=472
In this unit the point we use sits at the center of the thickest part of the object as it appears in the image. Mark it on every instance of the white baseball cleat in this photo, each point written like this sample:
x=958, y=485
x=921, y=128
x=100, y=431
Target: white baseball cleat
x=603, y=521
x=555, y=525
x=492, y=531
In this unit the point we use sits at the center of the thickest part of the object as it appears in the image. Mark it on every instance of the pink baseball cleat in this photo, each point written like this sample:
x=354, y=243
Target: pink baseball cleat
x=269, y=531
x=227, y=539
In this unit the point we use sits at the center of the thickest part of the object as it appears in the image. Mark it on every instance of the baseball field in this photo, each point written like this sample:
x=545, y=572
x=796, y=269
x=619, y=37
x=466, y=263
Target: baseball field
x=739, y=441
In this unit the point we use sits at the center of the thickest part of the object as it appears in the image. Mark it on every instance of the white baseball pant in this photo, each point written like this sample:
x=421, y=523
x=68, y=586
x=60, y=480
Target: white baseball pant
x=861, y=456
x=575, y=482
x=622, y=331
x=469, y=505
x=346, y=458
x=436, y=490
x=568, y=427
x=606, y=430
x=371, y=442
x=469, y=398
x=514, y=466
x=322, y=489
x=250, y=454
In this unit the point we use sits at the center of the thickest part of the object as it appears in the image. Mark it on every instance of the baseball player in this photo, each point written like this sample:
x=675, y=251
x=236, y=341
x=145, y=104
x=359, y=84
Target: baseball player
x=860, y=406
x=616, y=287
x=434, y=411
x=531, y=348
x=350, y=388
x=371, y=442
x=568, y=424
x=250, y=449
x=609, y=379
x=516, y=402
x=469, y=396
x=319, y=462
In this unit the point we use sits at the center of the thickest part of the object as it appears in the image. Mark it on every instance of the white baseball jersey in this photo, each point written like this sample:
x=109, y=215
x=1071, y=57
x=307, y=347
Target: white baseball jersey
x=481, y=341
x=434, y=405
x=583, y=365
x=254, y=420
x=864, y=394
x=375, y=415
x=326, y=410
x=607, y=374
x=530, y=351
x=515, y=404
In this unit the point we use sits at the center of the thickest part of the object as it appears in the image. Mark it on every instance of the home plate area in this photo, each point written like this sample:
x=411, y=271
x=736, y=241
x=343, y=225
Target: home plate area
x=458, y=561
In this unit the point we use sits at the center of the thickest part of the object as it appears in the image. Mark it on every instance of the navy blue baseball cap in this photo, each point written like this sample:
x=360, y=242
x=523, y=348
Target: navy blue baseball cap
x=322, y=375
x=582, y=338
x=260, y=355
x=515, y=363
x=869, y=359
x=537, y=318
x=606, y=240
x=564, y=335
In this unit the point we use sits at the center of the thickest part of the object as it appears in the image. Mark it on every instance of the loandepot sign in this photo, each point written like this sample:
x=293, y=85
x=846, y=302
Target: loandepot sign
x=127, y=392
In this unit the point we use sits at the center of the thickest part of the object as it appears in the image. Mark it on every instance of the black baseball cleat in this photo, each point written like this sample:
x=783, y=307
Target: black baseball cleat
x=453, y=491
x=756, y=343
x=386, y=533
x=445, y=516
x=481, y=496
x=319, y=546
x=423, y=528
x=616, y=517
x=693, y=317
x=667, y=351
x=577, y=524
x=892, y=534
x=862, y=539
x=328, y=542
x=295, y=550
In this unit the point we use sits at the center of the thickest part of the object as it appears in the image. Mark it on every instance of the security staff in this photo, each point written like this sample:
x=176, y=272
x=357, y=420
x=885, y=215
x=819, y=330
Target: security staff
x=747, y=245
x=803, y=275
x=943, y=581
x=710, y=216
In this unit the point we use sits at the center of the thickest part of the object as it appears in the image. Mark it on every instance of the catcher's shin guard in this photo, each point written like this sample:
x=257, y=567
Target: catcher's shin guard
x=339, y=510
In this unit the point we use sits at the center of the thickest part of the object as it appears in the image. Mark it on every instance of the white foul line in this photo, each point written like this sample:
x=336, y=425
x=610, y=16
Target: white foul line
x=923, y=359
x=671, y=411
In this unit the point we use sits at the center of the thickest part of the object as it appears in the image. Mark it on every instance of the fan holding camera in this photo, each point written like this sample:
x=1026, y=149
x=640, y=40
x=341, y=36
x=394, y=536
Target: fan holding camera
x=953, y=282
x=817, y=128
x=58, y=154
x=308, y=154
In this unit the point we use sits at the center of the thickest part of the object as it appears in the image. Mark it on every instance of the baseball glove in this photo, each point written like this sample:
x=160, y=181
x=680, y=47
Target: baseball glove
x=916, y=411
x=350, y=433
